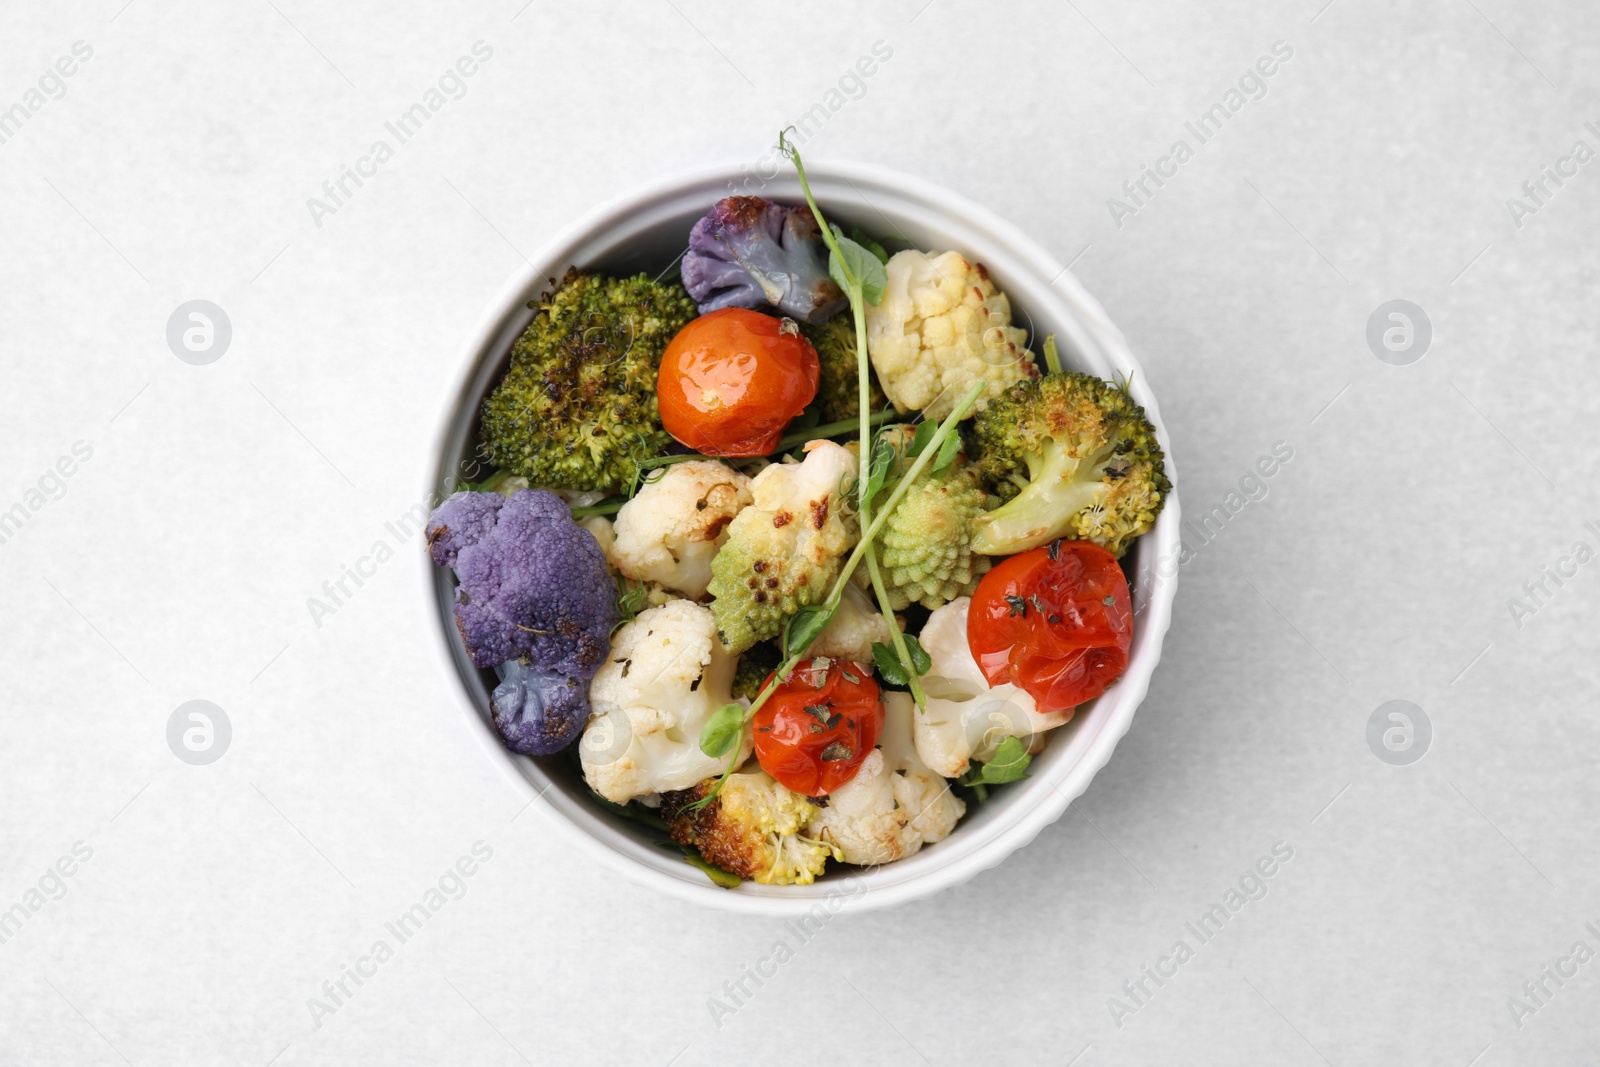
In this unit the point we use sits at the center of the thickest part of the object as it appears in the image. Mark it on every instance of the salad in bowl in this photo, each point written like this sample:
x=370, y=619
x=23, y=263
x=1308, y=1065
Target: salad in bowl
x=800, y=552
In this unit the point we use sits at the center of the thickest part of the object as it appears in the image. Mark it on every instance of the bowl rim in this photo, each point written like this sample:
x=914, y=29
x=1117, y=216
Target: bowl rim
x=1085, y=323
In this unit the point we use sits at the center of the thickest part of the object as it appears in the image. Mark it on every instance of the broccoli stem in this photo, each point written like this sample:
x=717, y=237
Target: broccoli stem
x=1060, y=486
x=1052, y=358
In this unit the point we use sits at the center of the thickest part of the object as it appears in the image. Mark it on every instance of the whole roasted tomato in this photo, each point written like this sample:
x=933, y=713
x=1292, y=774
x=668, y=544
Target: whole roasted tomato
x=1056, y=621
x=815, y=729
x=731, y=380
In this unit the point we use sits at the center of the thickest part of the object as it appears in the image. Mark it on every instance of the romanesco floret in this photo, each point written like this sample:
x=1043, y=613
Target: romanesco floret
x=1077, y=457
x=755, y=828
x=925, y=547
x=784, y=550
x=941, y=326
x=577, y=408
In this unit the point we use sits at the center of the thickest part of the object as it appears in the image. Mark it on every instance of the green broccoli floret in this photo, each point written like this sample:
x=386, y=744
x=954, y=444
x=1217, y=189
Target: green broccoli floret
x=925, y=546
x=577, y=409
x=751, y=672
x=1077, y=457
x=784, y=550
x=838, y=391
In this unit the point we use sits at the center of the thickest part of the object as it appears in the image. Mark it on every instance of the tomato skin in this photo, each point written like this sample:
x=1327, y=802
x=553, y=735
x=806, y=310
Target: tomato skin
x=1041, y=620
x=798, y=748
x=731, y=380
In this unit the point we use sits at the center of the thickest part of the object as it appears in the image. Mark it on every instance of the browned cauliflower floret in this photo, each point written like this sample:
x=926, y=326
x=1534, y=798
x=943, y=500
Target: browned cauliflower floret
x=755, y=829
x=668, y=532
x=941, y=326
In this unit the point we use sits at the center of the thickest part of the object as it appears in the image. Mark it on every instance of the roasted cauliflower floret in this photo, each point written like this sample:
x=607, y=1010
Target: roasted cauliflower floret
x=665, y=676
x=670, y=530
x=852, y=631
x=965, y=719
x=941, y=326
x=895, y=804
x=784, y=550
x=755, y=828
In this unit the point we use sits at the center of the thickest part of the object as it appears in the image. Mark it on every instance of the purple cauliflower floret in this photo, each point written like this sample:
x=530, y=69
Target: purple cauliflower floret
x=539, y=712
x=534, y=590
x=747, y=252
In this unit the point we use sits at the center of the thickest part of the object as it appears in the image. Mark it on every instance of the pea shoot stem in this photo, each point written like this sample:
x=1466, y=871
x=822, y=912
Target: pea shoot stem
x=870, y=524
x=858, y=307
x=831, y=429
x=785, y=443
x=913, y=680
x=608, y=506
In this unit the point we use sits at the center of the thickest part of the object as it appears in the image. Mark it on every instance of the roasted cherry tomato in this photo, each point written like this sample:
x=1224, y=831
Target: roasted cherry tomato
x=731, y=380
x=816, y=728
x=1056, y=621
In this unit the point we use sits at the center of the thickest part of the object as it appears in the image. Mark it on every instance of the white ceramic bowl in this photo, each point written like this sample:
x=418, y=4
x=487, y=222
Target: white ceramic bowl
x=646, y=231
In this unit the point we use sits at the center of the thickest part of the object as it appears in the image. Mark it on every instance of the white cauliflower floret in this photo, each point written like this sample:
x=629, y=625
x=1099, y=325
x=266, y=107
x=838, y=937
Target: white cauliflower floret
x=965, y=719
x=852, y=631
x=665, y=676
x=895, y=804
x=603, y=531
x=941, y=326
x=670, y=530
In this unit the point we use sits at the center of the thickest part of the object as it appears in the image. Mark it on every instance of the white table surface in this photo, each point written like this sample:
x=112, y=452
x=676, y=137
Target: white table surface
x=178, y=559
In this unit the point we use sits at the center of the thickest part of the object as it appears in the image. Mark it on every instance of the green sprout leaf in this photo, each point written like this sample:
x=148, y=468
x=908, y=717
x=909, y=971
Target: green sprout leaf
x=1010, y=764
x=718, y=876
x=691, y=856
x=884, y=460
x=855, y=269
x=926, y=429
x=890, y=669
x=630, y=599
x=921, y=662
x=860, y=237
x=947, y=453
x=722, y=730
x=806, y=624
